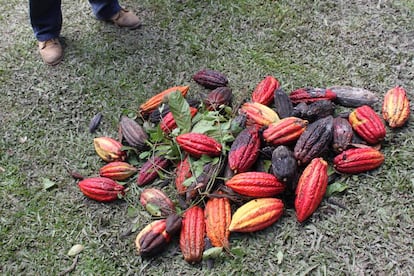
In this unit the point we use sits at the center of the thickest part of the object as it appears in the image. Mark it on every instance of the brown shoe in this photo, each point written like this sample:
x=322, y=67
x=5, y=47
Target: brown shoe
x=125, y=18
x=51, y=51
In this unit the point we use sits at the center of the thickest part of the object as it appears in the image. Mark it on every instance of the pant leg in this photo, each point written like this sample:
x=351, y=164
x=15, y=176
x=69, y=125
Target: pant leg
x=45, y=18
x=105, y=9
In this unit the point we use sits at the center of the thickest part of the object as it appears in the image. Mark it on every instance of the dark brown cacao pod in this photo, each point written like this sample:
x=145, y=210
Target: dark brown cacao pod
x=217, y=97
x=284, y=166
x=244, y=150
x=342, y=134
x=210, y=78
x=283, y=104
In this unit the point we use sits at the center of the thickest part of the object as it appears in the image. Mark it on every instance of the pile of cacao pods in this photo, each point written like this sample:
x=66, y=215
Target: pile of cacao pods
x=235, y=167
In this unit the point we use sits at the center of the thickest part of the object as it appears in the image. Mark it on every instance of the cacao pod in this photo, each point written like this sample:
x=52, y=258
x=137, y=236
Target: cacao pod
x=173, y=224
x=264, y=91
x=283, y=104
x=210, y=78
x=353, y=96
x=258, y=114
x=256, y=215
x=152, y=239
x=157, y=114
x=284, y=132
x=358, y=160
x=318, y=110
x=244, y=150
x=95, y=121
x=101, y=189
x=182, y=172
x=157, y=202
x=117, y=170
x=284, y=166
x=197, y=144
x=311, y=188
x=193, y=231
x=310, y=94
x=217, y=213
x=396, y=107
x=256, y=184
x=109, y=149
x=314, y=140
x=218, y=97
x=168, y=123
x=152, y=103
x=133, y=133
x=150, y=169
x=367, y=124
x=342, y=134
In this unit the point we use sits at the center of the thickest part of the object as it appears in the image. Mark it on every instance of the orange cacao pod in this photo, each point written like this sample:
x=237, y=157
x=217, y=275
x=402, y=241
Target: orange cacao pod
x=193, y=231
x=101, y=189
x=182, y=172
x=210, y=78
x=168, y=123
x=256, y=184
x=117, y=170
x=310, y=94
x=358, y=160
x=152, y=103
x=314, y=140
x=244, y=150
x=152, y=239
x=342, y=134
x=284, y=132
x=156, y=202
x=396, y=107
x=197, y=144
x=109, y=149
x=264, y=91
x=219, y=96
x=258, y=114
x=367, y=124
x=150, y=169
x=311, y=188
x=256, y=215
x=133, y=133
x=217, y=213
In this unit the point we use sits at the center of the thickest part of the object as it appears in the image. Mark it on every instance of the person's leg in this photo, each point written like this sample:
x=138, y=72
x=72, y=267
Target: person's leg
x=110, y=10
x=46, y=21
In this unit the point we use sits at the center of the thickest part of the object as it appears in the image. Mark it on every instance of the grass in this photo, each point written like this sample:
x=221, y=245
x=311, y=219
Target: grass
x=45, y=114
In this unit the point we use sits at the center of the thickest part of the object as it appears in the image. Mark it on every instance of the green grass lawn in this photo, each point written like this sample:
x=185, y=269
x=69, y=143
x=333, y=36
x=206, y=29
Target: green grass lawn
x=45, y=112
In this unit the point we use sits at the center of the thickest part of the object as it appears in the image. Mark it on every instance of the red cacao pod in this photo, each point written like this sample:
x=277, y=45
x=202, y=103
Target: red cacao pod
x=168, y=123
x=101, y=189
x=149, y=171
x=284, y=132
x=244, y=150
x=264, y=91
x=311, y=188
x=117, y=170
x=358, y=160
x=367, y=124
x=197, y=144
x=310, y=94
x=193, y=231
x=182, y=172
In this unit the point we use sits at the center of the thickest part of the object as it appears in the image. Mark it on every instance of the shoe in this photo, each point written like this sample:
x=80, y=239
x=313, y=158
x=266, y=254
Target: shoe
x=125, y=18
x=51, y=51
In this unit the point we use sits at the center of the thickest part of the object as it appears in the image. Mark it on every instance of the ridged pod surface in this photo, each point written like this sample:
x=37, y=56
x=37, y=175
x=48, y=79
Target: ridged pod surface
x=156, y=200
x=217, y=213
x=367, y=124
x=264, y=91
x=133, y=133
x=101, y=189
x=210, y=78
x=256, y=184
x=217, y=97
x=258, y=114
x=109, y=149
x=284, y=166
x=182, y=172
x=358, y=160
x=197, y=144
x=149, y=170
x=314, y=140
x=311, y=188
x=256, y=215
x=193, y=232
x=310, y=95
x=396, y=107
x=342, y=134
x=244, y=150
x=283, y=104
x=117, y=170
x=168, y=123
x=152, y=238
x=284, y=132
x=152, y=103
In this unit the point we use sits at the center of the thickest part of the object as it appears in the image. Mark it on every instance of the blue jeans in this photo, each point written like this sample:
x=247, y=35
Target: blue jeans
x=46, y=15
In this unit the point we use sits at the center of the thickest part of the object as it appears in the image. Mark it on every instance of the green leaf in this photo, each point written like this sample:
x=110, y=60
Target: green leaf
x=153, y=209
x=180, y=110
x=237, y=251
x=212, y=253
x=335, y=187
x=48, y=184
